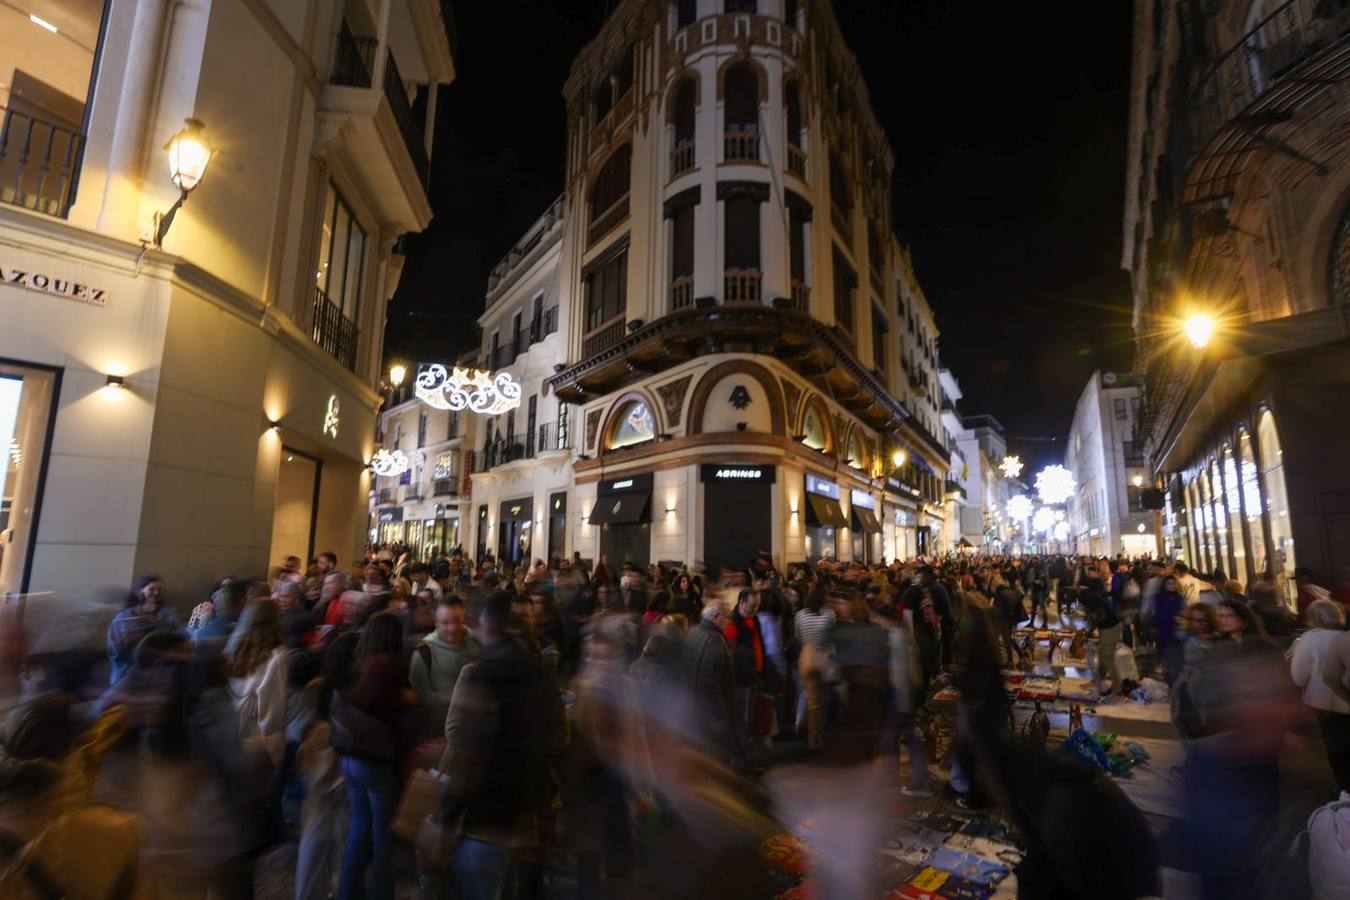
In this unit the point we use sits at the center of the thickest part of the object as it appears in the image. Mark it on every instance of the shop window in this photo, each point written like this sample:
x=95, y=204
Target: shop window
x=1277, y=500
x=813, y=430
x=26, y=405
x=1220, y=520
x=1206, y=520
x=635, y=425
x=1251, y=503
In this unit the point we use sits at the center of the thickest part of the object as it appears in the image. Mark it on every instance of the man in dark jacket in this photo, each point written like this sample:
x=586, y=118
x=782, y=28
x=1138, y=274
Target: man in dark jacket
x=1096, y=605
x=709, y=672
x=504, y=734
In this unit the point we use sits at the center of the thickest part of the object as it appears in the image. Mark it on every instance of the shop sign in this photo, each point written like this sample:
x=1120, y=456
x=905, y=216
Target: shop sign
x=393, y=514
x=818, y=485
x=738, y=472
x=43, y=283
x=627, y=483
x=863, y=499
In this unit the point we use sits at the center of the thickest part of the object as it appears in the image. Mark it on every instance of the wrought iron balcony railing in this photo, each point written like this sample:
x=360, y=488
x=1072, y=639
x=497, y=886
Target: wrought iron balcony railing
x=39, y=163
x=332, y=330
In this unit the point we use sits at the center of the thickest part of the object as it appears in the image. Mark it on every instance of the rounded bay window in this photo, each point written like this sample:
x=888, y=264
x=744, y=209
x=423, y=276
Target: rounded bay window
x=1277, y=499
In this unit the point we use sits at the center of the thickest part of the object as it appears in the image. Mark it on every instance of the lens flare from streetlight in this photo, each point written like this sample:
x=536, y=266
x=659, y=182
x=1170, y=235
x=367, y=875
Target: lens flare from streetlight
x=1199, y=329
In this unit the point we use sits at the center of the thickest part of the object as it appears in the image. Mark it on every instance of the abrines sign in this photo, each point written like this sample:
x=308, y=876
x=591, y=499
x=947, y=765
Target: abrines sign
x=738, y=472
x=627, y=483
x=43, y=283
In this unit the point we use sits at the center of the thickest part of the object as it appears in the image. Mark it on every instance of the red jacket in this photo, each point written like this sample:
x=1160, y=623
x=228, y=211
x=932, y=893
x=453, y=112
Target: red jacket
x=743, y=632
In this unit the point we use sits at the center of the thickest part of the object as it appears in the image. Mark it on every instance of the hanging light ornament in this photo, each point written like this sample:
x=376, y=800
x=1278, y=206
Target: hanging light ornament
x=1054, y=484
x=1019, y=507
x=387, y=463
x=1061, y=531
x=1011, y=466
x=1043, y=520
x=476, y=390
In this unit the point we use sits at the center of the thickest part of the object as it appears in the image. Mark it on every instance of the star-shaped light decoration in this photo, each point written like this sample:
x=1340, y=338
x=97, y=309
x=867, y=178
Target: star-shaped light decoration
x=1011, y=466
x=1055, y=484
x=1019, y=507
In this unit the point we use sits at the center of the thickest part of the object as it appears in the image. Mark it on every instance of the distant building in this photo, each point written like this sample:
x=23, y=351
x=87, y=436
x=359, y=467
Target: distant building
x=984, y=520
x=1237, y=207
x=1105, y=515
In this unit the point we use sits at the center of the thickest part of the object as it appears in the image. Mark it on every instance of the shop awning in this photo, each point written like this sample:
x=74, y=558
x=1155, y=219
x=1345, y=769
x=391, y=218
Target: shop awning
x=621, y=509
x=865, y=519
x=824, y=511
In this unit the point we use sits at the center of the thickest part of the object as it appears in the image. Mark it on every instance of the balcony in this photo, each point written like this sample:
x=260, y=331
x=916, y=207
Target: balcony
x=796, y=161
x=681, y=158
x=843, y=222
x=551, y=438
x=608, y=220
x=384, y=496
x=364, y=114
x=333, y=331
x=413, y=494
x=682, y=292
x=544, y=324
x=39, y=163
x=801, y=295
x=445, y=487
x=740, y=146
x=603, y=337
x=741, y=286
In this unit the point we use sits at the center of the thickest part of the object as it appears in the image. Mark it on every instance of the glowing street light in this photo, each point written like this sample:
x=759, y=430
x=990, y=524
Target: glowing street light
x=1137, y=481
x=189, y=152
x=1054, y=484
x=1199, y=329
x=898, y=458
x=396, y=374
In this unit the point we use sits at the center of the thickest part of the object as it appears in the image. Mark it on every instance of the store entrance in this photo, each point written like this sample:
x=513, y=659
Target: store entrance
x=514, y=528
x=557, y=526
x=737, y=523
x=27, y=404
x=295, y=510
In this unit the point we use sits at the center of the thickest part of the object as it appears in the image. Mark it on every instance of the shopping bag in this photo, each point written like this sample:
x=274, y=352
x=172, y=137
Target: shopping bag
x=422, y=797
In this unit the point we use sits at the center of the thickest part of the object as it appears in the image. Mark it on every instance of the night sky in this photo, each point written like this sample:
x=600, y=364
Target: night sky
x=1008, y=125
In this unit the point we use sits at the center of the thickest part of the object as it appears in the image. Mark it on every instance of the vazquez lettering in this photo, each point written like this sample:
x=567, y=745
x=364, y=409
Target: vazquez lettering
x=42, y=283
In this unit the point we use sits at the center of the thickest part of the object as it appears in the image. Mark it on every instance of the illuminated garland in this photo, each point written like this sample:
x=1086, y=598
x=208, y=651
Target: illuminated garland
x=387, y=463
x=476, y=390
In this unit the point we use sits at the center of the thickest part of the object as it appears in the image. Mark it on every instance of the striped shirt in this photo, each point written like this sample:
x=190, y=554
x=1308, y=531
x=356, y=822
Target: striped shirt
x=813, y=629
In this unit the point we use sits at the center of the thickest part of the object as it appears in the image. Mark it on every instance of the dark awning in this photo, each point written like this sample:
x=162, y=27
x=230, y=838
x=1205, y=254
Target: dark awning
x=621, y=509
x=824, y=511
x=865, y=519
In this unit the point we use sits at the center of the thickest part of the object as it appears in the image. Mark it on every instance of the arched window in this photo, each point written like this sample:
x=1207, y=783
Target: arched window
x=741, y=94
x=1220, y=520
x=1251, y=502
x=1232, y=499
x=1210, y=551
x=1277, y=500
x=813, y=429
x=1340, y=261
x=855, y=452
x=611, y=185
x=634, y=425
x=683, y=118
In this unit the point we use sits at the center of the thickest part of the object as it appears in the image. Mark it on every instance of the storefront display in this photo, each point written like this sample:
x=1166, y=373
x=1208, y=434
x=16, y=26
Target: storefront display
x=514, y=527
x=863, y=525
x=737, y=517
x=622, y=512
x=823, y=517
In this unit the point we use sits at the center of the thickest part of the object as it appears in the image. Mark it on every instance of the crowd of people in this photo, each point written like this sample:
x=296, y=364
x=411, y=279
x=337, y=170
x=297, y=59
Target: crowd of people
x=511, y=722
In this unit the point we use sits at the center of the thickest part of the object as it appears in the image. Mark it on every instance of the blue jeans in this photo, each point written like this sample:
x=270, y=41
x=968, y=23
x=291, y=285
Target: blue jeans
x=482, y=869
x=372, y=796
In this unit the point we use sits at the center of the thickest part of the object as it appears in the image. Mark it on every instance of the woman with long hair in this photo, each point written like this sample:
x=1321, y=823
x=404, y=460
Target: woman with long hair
x=255, y=663
x=367, y=724
x=1308, y=658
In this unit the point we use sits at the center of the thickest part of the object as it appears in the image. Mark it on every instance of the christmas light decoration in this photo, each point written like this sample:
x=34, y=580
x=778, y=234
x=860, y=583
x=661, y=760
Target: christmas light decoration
x=1011, y=466
x=1054, y=484
x=387, y=463
x=476, y=390
x=1019, y=507
x=1043, y=520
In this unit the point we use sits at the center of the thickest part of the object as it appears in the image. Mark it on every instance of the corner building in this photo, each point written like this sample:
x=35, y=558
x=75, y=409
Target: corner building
x=205, y=405
x=749, y=362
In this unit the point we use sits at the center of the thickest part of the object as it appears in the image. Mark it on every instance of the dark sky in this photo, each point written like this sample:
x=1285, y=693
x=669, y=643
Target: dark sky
x=1008, y=125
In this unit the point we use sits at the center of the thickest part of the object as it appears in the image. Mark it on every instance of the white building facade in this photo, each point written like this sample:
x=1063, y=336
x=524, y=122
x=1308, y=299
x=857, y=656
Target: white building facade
x=205, y=405
x=1105, y=455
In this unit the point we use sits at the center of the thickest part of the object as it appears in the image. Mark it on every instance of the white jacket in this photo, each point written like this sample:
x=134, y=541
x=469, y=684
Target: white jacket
x=260, y=701
x=1309, y=656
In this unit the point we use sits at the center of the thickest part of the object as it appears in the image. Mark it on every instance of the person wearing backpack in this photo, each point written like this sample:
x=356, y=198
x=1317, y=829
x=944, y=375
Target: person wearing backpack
x=438, y=659
x=54, y=844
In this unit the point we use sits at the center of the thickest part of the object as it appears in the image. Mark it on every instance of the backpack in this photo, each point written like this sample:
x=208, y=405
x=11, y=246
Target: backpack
x=22, y=877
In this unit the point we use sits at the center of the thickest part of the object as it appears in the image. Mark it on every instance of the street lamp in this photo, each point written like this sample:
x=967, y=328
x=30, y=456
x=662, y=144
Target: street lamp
x=396, y=374
x=898, y=458
x=1137, y=481
x=189, y=153
x=1199, y=329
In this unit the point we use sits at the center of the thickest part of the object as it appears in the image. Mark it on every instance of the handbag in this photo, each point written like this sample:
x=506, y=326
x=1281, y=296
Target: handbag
x=422, y=798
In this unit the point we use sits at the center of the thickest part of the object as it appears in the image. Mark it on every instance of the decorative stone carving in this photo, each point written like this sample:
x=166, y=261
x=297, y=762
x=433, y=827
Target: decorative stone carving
x=592, y=426
x=672, y=399
x=793, y=394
